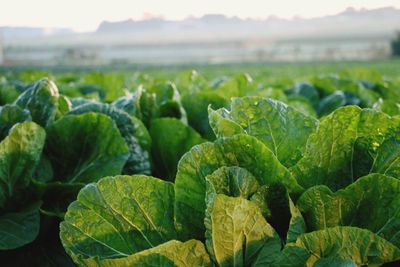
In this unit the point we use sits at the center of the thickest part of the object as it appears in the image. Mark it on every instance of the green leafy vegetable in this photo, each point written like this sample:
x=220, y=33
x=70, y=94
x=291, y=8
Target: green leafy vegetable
x=347, y=245
x=41, y=99
x=372, y=202
x=232, y=181
x=84, y=148
x=127, y=220
x=19, y=154
x=19, y=228
x=171, y=139
x=190, y=184
x=387, y=159
x=11, y=115
x=132, y=130
x=301, y=174
x=283, y=129
x=172, y=253
x=237, y=233
x=196, y=105
x=344, y=147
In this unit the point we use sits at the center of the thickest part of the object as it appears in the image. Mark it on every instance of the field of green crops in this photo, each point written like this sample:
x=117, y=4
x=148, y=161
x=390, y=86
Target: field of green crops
x=226, y=165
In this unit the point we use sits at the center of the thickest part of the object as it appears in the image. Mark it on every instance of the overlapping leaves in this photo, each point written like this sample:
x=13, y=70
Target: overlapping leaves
x=19, y=153
x=249, y=202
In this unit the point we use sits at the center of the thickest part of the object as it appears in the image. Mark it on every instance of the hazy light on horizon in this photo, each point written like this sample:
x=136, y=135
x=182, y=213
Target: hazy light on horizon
x=86, y=15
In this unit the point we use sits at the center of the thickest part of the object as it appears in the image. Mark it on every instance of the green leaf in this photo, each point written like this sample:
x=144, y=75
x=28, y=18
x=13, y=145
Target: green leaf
x=260, y=199
x=157, y=101
x=346, y=244
x=190, y=184
x=283, y=129
x=245, y=83
x=292, y=256
x=8, y=91
x=343, y=147
x=41, y=99
x=227, y=87
x=111, y=84
x=274, y=93
x=232, y=181
x=372, y=202
x=19, y=154
x=170, y=254
x=297, y=225
x=191, y=81
x=389, y=106
x=196, y=105
x=11, y=115
x=44, y=171
x=169, y=101
x=147, y=102
x=91, y=91
x=303, y=105
x=141, y=104
x=129, y=103
x=119, y=216
x=170, y=140
x=64, y=105
x=308, y=91
x=279, y=210
x=222, y=123
x=387, y=160
x=272, y=200
x=19, y=228
x=237, y=234
x=79, y=101
x=325, y=84
x=331, y=102
x=132, y=130
x=239, y=85
x=45, y=251
x=84, y=148
x=334, y=262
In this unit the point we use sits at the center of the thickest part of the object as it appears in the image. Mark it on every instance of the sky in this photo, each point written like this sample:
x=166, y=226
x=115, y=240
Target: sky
x=86, y=15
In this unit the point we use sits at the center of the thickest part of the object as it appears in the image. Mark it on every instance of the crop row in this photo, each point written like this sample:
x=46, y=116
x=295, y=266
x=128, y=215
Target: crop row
x=198, y=173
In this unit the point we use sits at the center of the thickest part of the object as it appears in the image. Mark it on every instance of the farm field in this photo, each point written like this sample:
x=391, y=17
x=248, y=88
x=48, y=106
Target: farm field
x=273, y=164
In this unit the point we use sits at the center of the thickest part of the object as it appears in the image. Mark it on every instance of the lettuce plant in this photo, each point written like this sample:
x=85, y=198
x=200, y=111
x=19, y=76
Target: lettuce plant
x=132, y=130
x=44, y=167
x=277, y=188
x=19, y=215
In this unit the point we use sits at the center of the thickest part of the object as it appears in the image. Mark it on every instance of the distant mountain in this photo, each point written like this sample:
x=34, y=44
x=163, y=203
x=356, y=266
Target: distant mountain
x=382, y=21
x=351, y=23
x=131, y=25
x=352, y=35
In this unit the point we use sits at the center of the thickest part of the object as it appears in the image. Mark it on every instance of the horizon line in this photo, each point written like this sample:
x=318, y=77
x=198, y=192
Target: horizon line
x=148, y=16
